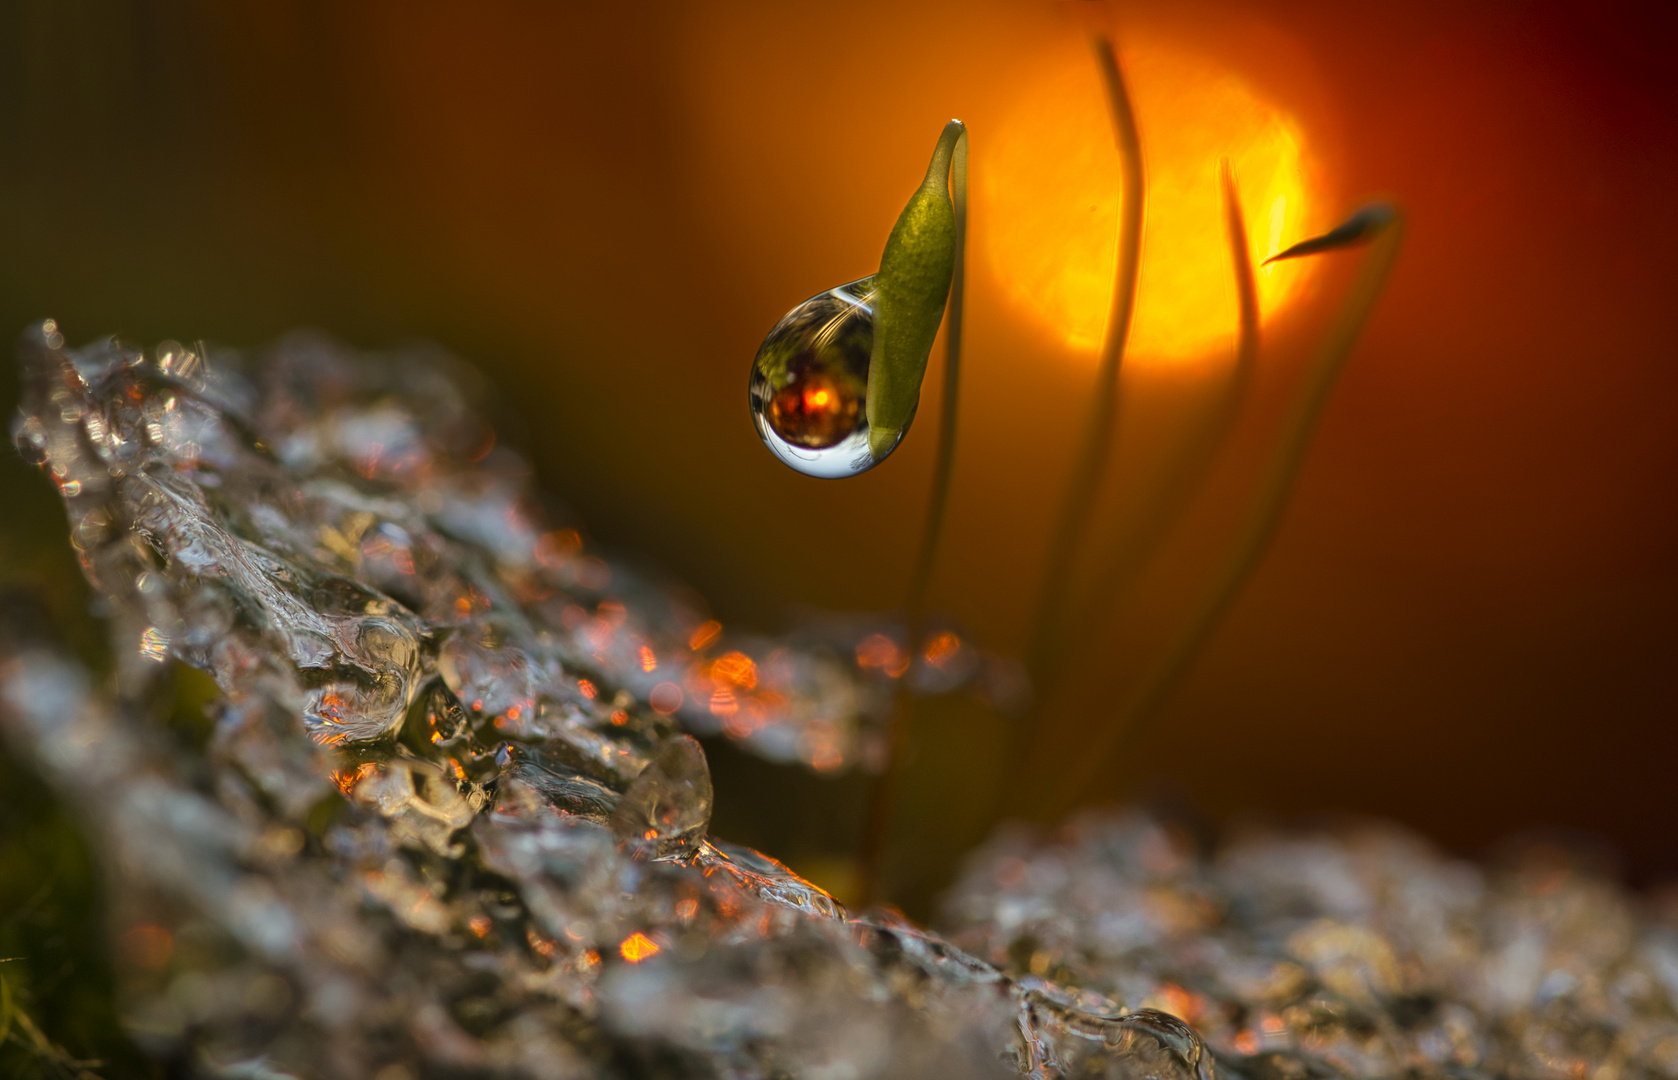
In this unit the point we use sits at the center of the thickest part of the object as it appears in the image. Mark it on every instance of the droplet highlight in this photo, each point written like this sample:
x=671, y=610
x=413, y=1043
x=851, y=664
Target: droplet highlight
x=809, y=384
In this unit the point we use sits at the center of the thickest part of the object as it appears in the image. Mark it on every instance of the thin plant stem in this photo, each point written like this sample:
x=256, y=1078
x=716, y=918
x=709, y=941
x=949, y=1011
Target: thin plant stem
x=1183, y=476
x=1096, y=447
x=938, y=501
x=883, y=792
x=1253, y=540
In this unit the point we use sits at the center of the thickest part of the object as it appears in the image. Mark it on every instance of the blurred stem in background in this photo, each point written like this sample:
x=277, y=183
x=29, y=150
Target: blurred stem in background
x=1048, y=636
x=1142, y=701
x=1171, y=488
x=1175, y=483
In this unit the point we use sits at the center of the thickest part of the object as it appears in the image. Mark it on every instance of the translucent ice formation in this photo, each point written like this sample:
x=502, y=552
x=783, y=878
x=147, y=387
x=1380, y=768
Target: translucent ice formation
x=446, y=820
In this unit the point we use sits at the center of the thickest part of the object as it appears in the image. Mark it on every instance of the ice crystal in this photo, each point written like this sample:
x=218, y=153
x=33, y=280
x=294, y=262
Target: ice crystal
x=447, y=821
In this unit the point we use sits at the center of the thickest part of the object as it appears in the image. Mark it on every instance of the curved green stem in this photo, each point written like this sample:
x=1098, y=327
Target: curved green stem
x=911, y=289
x=938, y=501
x=1073, y=522
x=952, y=151
x=1251, y=543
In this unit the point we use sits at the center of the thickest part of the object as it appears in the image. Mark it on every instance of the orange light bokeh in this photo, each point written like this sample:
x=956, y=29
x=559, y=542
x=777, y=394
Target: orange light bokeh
x=637, y=947
x=1049, y=185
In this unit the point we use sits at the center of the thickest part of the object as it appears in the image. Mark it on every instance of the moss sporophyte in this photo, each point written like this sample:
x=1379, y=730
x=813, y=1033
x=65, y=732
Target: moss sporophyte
x=836, y=384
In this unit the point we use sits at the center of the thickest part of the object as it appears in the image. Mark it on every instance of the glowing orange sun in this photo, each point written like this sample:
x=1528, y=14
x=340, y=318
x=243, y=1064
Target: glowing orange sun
x=1049, y=181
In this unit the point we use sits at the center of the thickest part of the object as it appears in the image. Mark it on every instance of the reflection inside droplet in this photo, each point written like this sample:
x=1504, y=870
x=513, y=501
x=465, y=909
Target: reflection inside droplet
x=809, y=383
x=814, y=410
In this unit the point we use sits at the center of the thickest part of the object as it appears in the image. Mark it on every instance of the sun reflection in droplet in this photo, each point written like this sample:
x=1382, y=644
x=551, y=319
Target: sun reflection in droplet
x=1049, y=185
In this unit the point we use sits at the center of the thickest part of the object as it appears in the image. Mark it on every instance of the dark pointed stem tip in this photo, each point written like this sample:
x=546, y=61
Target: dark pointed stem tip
x=1361, y=227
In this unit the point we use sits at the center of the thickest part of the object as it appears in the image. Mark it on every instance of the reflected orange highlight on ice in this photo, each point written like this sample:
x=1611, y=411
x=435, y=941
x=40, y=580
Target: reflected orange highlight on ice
x=941, y=648
x=705, y=634
x=637, y=947
x=879, y=651
x=734, y=669
x=347, y=779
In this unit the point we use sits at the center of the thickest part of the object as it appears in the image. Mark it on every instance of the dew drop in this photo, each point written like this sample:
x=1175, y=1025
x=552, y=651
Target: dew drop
x=809, y=384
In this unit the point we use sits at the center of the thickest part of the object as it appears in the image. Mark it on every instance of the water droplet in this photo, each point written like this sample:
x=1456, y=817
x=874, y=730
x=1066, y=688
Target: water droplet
x=809, y=384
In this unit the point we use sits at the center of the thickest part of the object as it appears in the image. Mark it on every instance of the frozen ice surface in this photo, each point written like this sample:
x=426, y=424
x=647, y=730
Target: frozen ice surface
x=447, y=818
x=1360, y=949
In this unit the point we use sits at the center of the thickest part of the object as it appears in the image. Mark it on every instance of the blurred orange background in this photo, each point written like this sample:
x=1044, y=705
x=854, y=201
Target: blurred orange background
x=1467, y=620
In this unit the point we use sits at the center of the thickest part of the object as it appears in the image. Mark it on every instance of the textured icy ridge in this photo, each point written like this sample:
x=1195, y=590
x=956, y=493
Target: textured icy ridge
x=445, y=820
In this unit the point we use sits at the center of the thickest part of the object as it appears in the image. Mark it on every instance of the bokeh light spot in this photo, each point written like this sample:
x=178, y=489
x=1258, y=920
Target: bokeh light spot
x=1049, y=182
x=637, y=947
